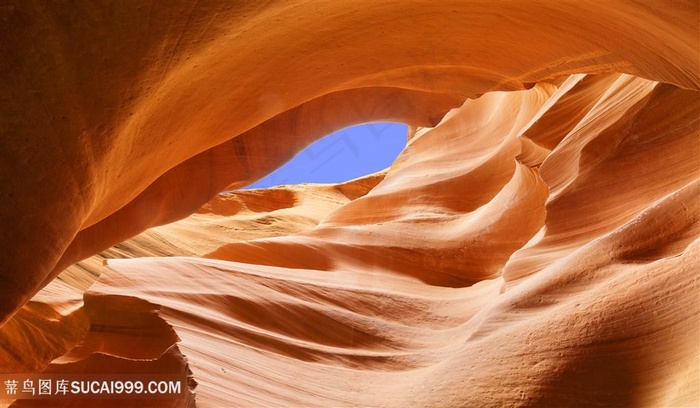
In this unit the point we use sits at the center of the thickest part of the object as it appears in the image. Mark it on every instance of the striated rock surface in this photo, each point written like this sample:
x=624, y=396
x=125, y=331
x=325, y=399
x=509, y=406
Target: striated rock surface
x=535, y=244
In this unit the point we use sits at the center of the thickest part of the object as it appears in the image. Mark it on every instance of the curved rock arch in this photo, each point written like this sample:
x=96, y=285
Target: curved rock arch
x=110, y=112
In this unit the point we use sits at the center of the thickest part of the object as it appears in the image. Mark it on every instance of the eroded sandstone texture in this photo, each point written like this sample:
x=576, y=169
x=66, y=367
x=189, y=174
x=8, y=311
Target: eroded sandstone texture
x=536, y=243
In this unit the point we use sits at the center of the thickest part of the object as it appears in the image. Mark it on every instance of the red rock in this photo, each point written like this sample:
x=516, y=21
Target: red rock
x=535, y=244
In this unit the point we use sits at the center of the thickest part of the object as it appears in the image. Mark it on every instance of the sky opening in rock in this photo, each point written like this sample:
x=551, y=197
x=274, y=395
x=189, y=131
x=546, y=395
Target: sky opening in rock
x=347, y=154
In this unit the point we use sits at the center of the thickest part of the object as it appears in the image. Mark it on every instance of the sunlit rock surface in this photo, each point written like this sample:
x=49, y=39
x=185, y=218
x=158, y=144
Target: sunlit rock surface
x=535, y=244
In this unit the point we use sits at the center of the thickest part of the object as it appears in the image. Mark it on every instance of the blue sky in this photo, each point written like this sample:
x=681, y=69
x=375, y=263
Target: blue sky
x=344, y=155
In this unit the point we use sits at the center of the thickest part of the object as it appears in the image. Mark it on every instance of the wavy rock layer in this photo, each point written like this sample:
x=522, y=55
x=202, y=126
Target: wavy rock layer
x=239, y=215
x=536, y=247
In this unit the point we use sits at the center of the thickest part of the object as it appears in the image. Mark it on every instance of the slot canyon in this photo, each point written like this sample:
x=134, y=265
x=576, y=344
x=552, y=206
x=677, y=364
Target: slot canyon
x=535, y=244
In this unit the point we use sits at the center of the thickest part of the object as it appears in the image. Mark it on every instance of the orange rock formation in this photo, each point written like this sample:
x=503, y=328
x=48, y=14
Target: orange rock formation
x=535, y=244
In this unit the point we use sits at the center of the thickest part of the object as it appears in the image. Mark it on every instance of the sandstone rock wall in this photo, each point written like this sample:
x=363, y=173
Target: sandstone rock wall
x=535, y=244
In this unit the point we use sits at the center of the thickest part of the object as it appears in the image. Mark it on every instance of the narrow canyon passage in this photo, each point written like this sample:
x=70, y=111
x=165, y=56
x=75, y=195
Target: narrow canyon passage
x=535, y=243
